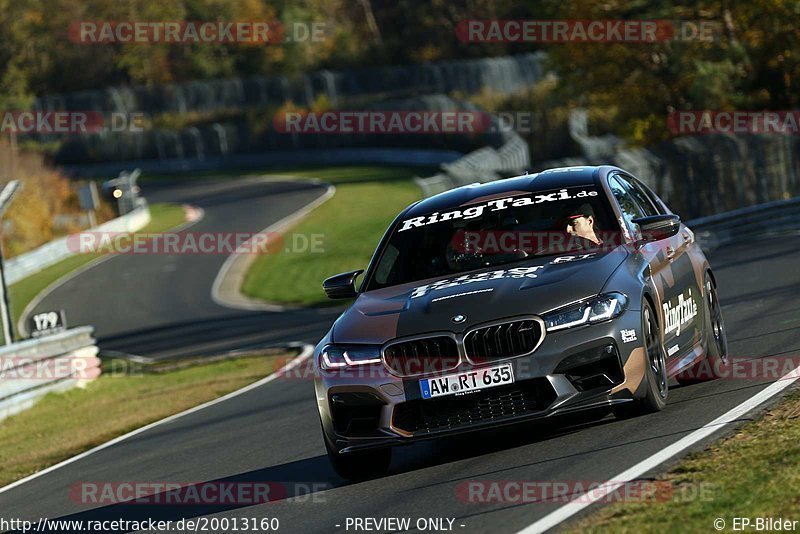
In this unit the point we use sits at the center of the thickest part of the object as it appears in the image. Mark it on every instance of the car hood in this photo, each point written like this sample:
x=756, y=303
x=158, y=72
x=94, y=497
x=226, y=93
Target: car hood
x=529, y=287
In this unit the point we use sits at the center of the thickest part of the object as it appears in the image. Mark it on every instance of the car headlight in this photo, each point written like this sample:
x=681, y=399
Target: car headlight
x=596, y=310
x=341, y=356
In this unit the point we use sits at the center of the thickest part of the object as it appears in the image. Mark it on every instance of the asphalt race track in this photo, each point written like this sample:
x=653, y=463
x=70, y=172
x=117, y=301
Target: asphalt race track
x=161, y=305
x=271, y=433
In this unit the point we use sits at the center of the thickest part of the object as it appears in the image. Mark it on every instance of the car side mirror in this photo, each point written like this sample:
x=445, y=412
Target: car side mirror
x=658, y=227
x=341, y=286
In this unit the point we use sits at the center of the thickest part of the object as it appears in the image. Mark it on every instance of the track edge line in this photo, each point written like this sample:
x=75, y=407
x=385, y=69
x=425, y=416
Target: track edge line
x=305, y=353
x=561, y=514
x=233, y=298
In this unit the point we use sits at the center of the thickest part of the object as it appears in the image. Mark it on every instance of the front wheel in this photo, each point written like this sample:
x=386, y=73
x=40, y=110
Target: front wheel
x=359, y=465
x=655, y=380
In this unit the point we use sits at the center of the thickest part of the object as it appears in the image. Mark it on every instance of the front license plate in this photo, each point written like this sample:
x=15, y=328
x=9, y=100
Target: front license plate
x=466, y=382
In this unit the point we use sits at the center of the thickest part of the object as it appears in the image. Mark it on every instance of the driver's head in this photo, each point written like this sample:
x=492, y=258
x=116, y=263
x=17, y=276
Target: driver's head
x=581, y=222
x=464, y=247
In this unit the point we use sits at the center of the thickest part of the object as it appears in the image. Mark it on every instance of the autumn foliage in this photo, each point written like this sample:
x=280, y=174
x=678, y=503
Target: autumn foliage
x=31, y=219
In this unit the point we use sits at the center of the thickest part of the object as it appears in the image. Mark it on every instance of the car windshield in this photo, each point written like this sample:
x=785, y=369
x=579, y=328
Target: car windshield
x=495, y=231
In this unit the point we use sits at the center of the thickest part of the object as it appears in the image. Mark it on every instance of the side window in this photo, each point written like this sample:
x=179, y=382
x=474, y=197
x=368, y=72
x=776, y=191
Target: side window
x=384, y=268
x=657, y=202
x=629, y=207
x=648, y=207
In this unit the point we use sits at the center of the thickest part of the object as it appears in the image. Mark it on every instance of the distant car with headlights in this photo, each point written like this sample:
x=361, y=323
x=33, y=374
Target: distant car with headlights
x=525, y=298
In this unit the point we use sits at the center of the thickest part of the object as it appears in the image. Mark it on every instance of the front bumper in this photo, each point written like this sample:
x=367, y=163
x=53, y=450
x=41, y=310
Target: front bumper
x=572, y=370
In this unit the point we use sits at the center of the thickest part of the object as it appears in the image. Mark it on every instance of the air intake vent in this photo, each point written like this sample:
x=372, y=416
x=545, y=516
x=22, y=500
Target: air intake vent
x=496, y=404
x=421, y=356
x=505, y=340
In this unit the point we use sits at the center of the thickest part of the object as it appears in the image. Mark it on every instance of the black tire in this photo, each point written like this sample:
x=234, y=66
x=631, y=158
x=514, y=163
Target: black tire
x=655, y=381
x=359, y=465
x=716, y=341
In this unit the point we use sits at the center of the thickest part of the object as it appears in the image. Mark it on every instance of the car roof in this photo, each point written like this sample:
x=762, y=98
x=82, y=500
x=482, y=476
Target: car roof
x=541, y=181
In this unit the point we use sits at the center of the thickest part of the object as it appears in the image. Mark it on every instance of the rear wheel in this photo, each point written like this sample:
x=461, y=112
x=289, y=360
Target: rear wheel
x=359, y=465
x=716, y=341
x=655, y=380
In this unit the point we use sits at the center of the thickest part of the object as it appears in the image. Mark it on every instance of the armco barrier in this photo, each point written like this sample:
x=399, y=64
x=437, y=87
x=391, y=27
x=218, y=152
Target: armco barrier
x=229, y=101
x=501, y=75
x=50, y=253
x=32, y=368
x=752, y=222
x=340, y=156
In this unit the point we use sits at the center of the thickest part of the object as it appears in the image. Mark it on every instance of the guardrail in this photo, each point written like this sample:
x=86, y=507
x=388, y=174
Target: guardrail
x=30, y=369
x=340, y=156
x=771, y=218
x=51, y=253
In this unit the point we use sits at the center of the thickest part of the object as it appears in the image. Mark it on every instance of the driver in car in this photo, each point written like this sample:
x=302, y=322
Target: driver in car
x=581, y=223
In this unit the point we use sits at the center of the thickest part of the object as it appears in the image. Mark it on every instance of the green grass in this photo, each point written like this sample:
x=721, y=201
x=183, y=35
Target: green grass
x=351, y=223
x=163, y=217
x=753, y=473
x=62, y=425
